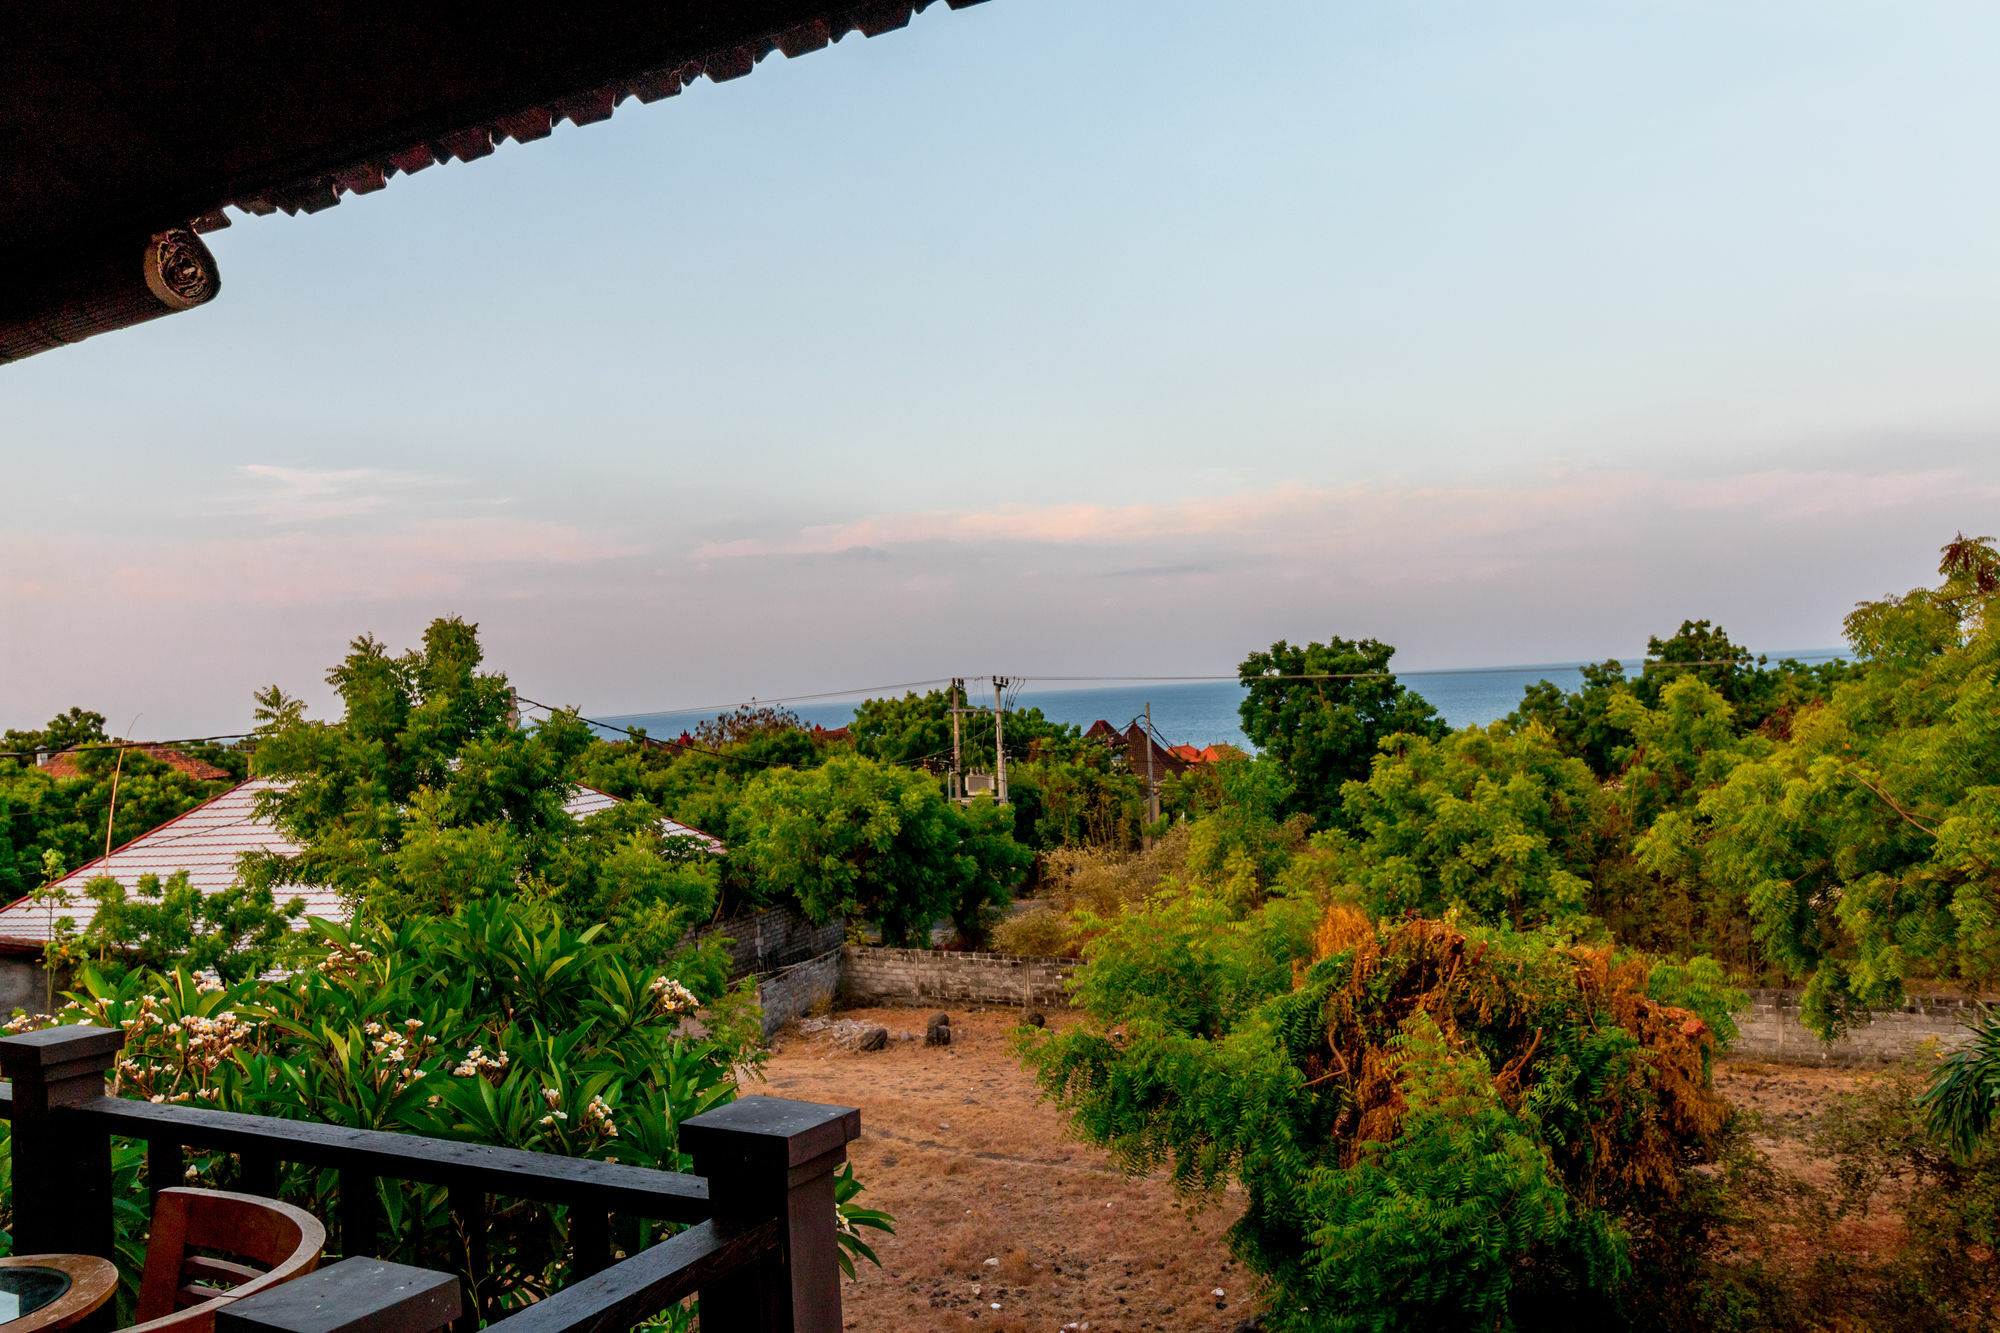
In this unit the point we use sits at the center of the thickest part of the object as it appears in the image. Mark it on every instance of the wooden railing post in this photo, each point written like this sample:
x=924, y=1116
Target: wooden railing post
x=352, y=1296
x=62, y=1166
x=768, y=1157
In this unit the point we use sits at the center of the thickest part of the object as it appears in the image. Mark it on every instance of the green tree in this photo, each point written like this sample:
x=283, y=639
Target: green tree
x=859, y=837
x=1240, y=836
x=425, y=795
x=78, y=726
x=1759, y=696
x=758, y=734
x=1323, y=710
x=1865, y=843
x=1494, y=824
x=40, y=813
x=1757, y=692
x=915, y=731
x=238, y=932
x=1074, y=796
x=1581, y=721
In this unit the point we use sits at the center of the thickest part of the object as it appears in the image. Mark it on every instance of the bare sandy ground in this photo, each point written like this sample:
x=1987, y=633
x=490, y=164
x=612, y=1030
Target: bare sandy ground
x=1005, y=1223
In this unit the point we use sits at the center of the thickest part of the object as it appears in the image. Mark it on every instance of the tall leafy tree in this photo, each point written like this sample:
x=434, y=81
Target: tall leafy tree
x=1866, y=843
x=78, y=726
x=1496, y=825
x=425, y=794
x=1579, y=721
x=1322, y=711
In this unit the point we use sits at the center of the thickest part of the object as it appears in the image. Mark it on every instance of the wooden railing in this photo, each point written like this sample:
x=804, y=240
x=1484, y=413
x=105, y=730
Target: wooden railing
x=759, y=1247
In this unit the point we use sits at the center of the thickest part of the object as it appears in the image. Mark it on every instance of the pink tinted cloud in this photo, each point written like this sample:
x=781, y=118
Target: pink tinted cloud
x=1552, y=511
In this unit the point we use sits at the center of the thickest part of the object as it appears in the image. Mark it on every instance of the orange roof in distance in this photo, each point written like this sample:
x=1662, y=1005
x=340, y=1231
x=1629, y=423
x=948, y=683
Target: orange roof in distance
x=64, y=764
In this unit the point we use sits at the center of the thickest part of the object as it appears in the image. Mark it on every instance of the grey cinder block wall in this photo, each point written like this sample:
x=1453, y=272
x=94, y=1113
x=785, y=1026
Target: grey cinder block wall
x=874, y=974
x=1770, y=1030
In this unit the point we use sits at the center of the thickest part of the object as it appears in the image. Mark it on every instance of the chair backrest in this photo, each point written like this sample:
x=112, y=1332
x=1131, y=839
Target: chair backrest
x=181, y=1291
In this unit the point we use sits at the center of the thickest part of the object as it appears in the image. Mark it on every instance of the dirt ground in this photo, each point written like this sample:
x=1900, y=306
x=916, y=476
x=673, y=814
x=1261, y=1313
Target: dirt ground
x=1789, y=1099
x=1006, y=1223
x=1002, y=1221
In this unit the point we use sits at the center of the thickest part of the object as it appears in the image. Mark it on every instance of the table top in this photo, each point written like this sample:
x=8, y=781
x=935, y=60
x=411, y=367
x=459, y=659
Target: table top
x=51, y=1291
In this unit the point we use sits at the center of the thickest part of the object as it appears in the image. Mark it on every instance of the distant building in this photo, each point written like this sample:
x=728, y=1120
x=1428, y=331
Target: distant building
x=207, y=842
x=1211, y=754
x=64, y=763
x=1131, y=745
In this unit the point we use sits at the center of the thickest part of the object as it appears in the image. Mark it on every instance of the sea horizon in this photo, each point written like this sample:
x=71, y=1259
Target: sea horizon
x=1198, y=712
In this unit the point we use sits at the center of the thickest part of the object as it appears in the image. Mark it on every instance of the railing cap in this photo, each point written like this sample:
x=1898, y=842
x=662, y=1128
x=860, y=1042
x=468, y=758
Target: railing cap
x=776, y=1130
x=46, y=1047
x=353, y=1296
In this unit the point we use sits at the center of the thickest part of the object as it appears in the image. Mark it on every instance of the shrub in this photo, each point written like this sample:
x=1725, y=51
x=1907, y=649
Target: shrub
x=858, y=837
x=499, y=1024
x=1435, y=1127
x=1084, y=885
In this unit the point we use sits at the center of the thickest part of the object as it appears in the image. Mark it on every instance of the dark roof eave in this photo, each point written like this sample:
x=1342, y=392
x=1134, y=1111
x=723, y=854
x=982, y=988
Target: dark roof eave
x=292, y=108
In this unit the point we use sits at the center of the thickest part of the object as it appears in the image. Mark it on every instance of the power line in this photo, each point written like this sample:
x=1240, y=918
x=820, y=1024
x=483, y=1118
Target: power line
x=674, y=745
x=128, y=745
x=865, y=690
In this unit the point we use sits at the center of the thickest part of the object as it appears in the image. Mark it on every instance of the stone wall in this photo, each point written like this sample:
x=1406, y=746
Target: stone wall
x=1771, y=1031
x=799, y=989
x=767, y=941
x=875, y=974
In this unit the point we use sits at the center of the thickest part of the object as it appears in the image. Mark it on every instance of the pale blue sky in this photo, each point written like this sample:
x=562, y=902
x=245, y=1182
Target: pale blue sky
x=1066, y=336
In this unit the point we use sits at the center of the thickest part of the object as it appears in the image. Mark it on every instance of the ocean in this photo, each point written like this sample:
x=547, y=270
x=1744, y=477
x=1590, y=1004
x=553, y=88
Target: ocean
x=1205, y=712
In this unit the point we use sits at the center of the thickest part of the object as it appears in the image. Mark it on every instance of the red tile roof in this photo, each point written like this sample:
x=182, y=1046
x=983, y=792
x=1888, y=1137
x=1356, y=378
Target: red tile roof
x=63, y=764
x=207, y=842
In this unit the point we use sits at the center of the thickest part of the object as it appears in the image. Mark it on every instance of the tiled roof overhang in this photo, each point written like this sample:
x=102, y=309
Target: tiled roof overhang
x=126, y=120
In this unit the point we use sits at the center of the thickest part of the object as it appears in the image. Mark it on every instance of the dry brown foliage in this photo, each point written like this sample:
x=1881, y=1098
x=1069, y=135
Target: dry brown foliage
x=1097, y=881
x=1528, y=1014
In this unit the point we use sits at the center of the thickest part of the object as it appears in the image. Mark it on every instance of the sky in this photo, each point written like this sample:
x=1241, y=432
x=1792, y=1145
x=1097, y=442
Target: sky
x=1058, y=337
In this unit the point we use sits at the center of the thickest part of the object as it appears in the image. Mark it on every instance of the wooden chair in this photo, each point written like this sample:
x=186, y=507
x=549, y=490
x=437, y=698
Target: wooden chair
x=181, y=1291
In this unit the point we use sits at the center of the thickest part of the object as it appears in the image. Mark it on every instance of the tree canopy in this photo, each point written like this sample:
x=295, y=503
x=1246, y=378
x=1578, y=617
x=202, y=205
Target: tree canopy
x=426, y=795
x=859, y=837
x=1322, y=711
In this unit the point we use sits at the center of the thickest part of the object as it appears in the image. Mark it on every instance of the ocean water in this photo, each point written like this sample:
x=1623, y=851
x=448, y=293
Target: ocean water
x=1205, y=712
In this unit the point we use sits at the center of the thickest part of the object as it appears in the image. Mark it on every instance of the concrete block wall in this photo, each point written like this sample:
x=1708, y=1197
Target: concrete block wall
x=798, y=990
x=1771, y=1031
x=766, y=941
x=24, y=985
x=875, y=974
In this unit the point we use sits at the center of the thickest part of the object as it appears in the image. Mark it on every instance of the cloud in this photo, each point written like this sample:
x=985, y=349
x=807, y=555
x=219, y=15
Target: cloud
x=310, y=495
x=300, y=537
x=1387, y=526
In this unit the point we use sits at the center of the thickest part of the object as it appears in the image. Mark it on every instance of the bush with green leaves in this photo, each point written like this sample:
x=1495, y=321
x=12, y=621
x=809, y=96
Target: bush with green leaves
x=1322, y=711
x=1435, y=1127
x=861, y=838
x=236, y=932
x=1864, y=844
x=499, y=1024
x=425, y=795
x=69, y=818
x=1497, y=825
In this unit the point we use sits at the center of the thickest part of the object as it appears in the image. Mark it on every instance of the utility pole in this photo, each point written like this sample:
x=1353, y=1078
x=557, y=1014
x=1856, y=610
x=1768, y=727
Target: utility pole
x=1152, y=789
x=999, y=742
x=957, y=706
